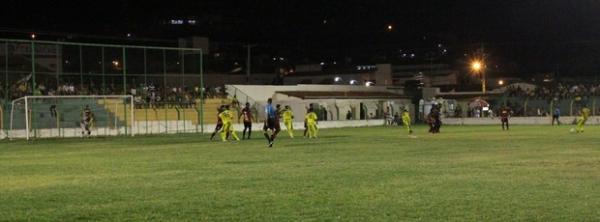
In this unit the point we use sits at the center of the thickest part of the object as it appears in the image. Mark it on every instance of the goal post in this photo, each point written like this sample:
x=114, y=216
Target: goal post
x=60, y=116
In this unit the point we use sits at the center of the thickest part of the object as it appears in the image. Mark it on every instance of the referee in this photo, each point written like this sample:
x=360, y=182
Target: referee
x=271, y=122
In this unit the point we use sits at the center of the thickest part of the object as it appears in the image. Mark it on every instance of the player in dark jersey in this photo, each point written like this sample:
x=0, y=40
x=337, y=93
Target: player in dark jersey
x=87, y=119
x=219, y=122
x=246, y=114
x=504, y=116
x=435, y=122
x=271, y=122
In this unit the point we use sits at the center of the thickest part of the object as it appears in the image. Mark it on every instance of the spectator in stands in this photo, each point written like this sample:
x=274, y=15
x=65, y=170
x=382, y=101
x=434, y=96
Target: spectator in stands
x=349, y=115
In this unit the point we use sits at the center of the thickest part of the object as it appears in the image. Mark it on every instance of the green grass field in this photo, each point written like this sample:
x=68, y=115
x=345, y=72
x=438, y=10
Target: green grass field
x=468, y=173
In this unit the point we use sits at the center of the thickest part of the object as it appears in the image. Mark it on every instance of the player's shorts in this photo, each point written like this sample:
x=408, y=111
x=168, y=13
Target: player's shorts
x=271, y=124
x=247, y=124
x=504, y=119
x=85, y=125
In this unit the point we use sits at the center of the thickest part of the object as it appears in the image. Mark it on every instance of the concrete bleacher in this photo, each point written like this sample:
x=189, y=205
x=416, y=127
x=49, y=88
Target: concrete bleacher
x=68, y=111
x=174, y=113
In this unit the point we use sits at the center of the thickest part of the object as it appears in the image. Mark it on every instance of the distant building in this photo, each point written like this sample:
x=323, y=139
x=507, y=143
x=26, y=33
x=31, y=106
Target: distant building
x=431, y=75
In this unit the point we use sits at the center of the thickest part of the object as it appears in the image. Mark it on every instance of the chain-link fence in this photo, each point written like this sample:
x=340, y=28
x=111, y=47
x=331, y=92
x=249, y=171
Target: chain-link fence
x=165, y=83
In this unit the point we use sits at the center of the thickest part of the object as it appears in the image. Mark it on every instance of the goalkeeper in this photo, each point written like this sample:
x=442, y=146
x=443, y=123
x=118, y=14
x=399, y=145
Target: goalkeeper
x=87, y=121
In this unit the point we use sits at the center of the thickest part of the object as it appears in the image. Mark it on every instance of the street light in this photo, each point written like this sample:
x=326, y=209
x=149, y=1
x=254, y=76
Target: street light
x=478, y=67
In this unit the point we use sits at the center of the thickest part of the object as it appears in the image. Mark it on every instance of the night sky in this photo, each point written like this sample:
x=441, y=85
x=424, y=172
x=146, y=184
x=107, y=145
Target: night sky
x=327, y=24
x=302, y=22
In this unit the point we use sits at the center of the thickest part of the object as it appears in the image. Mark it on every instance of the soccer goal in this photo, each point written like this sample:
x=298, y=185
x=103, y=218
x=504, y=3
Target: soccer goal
x=71, y=116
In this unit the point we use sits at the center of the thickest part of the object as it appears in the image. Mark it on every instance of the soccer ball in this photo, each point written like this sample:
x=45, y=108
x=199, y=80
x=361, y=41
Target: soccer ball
x=572, y=130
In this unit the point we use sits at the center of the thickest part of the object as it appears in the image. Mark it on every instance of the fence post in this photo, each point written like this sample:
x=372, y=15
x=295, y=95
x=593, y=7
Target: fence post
x=201, y=95
x=125, y=90
x=525, y=107
x=6, y=89
x=33, y=88
x=593, y=106
x=571, y=108
x=178, y=118
x=103, y=72
x=164, y=52
x=80, y=67
x=183, y=85
x=146, y=86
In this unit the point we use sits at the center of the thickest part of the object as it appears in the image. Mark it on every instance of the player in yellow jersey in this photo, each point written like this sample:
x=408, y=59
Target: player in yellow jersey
x=288, y=120
x=311, y=123
x=407, y=121
x=584, y=116
x=227, y=118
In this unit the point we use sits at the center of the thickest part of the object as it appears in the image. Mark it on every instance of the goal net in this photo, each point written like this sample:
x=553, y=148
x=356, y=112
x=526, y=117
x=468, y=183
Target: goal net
x=65, y=116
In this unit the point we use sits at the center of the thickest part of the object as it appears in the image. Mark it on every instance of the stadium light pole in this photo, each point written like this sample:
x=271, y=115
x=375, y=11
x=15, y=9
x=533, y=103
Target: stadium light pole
x=248, y=62
x=478, y=67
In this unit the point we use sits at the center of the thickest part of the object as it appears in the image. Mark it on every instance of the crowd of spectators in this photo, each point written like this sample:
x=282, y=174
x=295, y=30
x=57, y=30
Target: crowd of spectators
x=145, y=95
x=556, y=91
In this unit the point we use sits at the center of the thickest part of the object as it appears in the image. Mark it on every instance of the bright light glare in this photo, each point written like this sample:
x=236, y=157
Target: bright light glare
x=476, y=66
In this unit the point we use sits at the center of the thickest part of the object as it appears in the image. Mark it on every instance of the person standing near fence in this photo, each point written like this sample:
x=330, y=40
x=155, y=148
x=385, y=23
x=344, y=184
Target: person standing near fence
x=556, y=116
x=87, y=121
x=504, y=116
x=246, y=114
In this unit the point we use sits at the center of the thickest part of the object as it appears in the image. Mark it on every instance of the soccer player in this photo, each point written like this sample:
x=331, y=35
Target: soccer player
x=227, y=117
x=406, y=121
x=504, y=116
x=584, y=115
x=87, y=119
x=311, y=123
x=556, y=116
x=219, y=122
x=435, y=120
x=271, y=122
x=288, y=120
x=310, y=107
x=248, y=118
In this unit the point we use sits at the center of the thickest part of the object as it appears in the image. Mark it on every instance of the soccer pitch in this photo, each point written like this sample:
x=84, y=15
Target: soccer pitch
x=466, y=173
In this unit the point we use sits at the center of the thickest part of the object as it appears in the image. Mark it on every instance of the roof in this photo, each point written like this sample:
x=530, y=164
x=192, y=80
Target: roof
x=342, y=95
x=464, y=95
